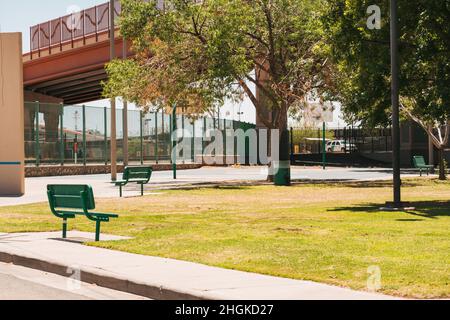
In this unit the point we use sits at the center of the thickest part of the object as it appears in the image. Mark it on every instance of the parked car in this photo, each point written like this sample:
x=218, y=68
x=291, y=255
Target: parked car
x=340, y=146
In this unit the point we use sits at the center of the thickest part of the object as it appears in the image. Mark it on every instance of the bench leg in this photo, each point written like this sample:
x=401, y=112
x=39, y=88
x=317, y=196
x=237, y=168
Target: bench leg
x=420, y=170
x=64, y=228
x=120, y=191
x=142, y=189
x=97, y=231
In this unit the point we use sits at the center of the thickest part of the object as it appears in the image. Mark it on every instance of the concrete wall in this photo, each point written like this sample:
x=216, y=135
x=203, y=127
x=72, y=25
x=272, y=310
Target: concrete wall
x=11, y=115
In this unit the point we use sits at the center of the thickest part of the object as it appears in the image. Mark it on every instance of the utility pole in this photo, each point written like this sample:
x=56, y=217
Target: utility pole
x=113, y=100
x=395, y=106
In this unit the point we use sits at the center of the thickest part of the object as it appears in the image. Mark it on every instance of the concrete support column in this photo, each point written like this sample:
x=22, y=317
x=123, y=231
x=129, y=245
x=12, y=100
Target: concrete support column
x=12, y=146
x=29, y=122
x=51, y=118
x=113, y=100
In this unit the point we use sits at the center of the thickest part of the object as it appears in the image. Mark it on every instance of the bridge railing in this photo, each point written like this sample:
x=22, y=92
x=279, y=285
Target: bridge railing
x=65, y=30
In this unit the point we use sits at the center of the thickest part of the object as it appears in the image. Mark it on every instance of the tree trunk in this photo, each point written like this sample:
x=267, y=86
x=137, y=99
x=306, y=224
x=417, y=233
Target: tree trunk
x=282, y=174
x=442, y=173
x=270, y=174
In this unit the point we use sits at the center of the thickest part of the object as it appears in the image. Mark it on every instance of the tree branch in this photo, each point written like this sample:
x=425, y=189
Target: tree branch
x=255, y=102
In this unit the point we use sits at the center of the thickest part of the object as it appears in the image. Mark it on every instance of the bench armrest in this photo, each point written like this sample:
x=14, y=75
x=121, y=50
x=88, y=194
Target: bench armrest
x=119, y=182
x=105, y=215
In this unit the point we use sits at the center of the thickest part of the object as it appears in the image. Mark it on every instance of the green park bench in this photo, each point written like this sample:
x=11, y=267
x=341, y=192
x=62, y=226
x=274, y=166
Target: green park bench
x=140, y=175
x=419, y=163
x=68, y=201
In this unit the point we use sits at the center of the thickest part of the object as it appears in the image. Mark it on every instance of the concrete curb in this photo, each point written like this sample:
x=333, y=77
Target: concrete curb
x=104, y=279
x=159, y=278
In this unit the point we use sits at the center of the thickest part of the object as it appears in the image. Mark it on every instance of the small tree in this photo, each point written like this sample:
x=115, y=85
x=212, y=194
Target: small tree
x=437, y=130
x=363, y=59
x=199, y=53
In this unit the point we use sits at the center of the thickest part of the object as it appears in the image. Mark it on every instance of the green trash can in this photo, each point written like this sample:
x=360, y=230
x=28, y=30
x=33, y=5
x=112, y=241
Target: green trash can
x=282, y=173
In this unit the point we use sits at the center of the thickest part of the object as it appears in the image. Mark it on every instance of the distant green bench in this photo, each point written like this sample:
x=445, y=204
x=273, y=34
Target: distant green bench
x=419, y=163
x=75, y=200
x=140, y=175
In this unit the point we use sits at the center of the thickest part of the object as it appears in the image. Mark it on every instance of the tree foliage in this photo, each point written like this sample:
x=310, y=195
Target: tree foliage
x=199, y=53
x=363, y=58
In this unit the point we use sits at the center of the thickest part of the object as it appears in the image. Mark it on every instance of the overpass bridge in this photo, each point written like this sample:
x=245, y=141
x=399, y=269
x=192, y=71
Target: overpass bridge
x=66, y=65
x=67, y=57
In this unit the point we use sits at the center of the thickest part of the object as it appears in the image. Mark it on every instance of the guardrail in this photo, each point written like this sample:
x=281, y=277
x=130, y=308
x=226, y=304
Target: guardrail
x=57, y=32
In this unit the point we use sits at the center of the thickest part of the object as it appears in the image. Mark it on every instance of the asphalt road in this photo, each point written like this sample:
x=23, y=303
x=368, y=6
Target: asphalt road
x=19, y=283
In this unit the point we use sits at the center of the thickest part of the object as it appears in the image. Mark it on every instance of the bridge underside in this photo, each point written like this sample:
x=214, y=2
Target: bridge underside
x=73, y=89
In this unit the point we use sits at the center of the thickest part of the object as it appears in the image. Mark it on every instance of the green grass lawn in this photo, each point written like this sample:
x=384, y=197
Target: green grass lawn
x=328, y=233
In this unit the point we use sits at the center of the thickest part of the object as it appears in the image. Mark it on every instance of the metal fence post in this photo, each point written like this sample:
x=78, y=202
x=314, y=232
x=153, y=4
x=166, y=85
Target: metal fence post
x=344, y=134
x=225, y=140
x=324, y=151
x=174, y=141
x=36, y=133
x=141, y=136
x=105, y=121
x=258, y=159
x=292, y=145
x=84, y=135
x=193, y=142
x=163, y=129
x=170, y=137
x=61, y=133
x=156, y=139
x=182, y=132
x=203, y=137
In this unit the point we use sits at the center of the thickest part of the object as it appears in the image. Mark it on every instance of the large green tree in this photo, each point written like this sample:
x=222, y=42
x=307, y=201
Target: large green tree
x=363, y=59
x=199, y=53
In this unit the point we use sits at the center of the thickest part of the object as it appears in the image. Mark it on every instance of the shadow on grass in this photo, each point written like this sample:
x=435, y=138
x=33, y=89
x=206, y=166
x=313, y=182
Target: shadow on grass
x=424, y=209
x=232, y=187
x=346, y=183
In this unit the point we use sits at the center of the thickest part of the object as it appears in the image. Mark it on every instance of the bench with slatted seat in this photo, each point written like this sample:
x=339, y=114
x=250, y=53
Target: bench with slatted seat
x=140, y=175
x=419, y=163
x=68, y=201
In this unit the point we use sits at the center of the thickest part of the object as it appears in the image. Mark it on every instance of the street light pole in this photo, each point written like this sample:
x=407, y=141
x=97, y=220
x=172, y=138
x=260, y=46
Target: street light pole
x=395, y=106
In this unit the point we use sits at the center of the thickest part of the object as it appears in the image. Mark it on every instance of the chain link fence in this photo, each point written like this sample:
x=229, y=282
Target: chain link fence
x=64, y=134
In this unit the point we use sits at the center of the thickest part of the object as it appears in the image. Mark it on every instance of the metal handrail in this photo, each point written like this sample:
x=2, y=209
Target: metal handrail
x=66, y=29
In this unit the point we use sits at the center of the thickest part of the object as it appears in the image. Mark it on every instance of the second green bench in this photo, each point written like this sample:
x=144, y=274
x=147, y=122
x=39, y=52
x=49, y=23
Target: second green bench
x=140, y=175
x=419, y=163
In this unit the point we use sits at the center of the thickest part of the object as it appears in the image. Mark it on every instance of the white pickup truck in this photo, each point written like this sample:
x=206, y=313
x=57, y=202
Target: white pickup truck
x=340, y=146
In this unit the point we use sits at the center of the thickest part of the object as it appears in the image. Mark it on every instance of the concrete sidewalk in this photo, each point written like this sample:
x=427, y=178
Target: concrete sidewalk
x=157, y=278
